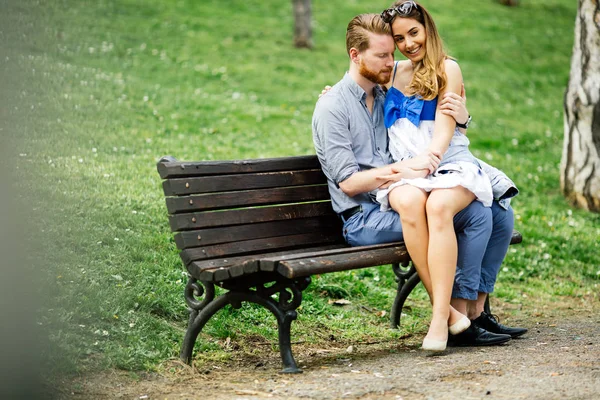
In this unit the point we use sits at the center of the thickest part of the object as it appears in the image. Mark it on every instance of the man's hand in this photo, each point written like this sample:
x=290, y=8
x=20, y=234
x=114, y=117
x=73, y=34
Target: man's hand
x=455, y=105
x=402, y=173
x=428, y=161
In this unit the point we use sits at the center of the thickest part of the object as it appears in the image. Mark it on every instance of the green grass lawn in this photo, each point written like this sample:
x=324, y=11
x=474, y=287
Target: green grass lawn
x=120, y=83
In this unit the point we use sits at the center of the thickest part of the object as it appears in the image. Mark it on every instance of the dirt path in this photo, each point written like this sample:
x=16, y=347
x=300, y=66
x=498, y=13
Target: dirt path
x=559, y=358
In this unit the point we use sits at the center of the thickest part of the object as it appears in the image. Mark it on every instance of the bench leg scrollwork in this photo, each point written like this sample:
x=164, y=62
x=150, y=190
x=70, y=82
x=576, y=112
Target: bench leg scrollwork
x=407, y=279
x=281, y=297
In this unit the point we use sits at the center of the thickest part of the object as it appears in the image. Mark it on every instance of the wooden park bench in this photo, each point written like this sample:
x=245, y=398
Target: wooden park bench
x=260, y=229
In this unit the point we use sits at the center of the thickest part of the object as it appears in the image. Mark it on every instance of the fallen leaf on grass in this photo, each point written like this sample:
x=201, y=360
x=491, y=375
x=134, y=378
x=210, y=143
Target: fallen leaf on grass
x=340, y=302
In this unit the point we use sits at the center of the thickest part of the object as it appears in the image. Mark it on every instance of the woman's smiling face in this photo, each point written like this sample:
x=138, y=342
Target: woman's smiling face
x=410, y=37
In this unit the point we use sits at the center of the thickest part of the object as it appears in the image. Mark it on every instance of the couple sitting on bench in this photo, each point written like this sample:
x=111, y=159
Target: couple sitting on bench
x=390, y=137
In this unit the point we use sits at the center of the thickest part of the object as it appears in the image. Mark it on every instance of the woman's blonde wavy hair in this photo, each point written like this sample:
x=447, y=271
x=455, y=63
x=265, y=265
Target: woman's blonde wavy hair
x=429, y=77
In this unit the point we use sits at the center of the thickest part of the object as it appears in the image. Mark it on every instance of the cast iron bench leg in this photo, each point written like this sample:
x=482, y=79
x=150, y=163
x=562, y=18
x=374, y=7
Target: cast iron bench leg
x=284, y=312
x=407, y=281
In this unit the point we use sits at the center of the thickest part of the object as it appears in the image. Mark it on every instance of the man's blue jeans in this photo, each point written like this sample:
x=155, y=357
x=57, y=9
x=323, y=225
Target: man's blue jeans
x=483, y=235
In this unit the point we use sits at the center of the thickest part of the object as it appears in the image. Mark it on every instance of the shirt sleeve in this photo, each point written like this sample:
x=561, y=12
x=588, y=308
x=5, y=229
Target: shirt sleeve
x=332, y=127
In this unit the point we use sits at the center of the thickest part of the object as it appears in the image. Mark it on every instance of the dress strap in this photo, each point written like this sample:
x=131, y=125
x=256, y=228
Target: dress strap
x=394, y=75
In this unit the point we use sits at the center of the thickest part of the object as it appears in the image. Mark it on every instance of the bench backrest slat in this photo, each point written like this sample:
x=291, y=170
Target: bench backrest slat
x=188, y=221
x=177, y=169
x=247, y=198
x=225, y=183
x=205, y=237
x=260, y=245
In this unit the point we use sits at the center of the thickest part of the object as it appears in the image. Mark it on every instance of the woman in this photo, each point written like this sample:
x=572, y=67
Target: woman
x=428, y=204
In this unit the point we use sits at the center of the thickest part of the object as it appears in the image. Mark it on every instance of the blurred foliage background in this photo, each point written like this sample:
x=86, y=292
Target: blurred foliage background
x=110, y=86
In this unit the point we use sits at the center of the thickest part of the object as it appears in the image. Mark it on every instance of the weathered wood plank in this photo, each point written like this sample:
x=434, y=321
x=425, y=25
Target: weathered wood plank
x=204, y=168
x=270, y=263
x=226, y=183
x=341, y=262
x=208, y=219
x=260, y=245
x=248, y=265
x=195, y=267
x=205, y=237
x=246, y=198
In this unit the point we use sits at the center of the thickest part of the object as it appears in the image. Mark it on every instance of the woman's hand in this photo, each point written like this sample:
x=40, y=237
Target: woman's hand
x=455, y=105
x=325, y=90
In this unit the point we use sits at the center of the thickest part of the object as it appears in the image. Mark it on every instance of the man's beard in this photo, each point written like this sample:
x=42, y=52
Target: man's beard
x=375, y=77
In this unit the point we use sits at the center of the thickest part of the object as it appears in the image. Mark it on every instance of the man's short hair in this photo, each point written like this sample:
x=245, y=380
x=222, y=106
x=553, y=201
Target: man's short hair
x=357, y=32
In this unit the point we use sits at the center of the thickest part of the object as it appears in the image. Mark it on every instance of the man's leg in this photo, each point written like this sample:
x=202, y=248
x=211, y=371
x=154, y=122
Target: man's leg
x=372, y=226
x=503, y=224
x=473, y=240
x=473, y=227
x=492, y=260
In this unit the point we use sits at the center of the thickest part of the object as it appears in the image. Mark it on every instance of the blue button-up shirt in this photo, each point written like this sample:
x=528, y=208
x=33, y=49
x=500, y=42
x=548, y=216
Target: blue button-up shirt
x=348, y=138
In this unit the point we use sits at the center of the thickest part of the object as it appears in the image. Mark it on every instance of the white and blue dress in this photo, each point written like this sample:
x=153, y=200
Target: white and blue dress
x=410, y=122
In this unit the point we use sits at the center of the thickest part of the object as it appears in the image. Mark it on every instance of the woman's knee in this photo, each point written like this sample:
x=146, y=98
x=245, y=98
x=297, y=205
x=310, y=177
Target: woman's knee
x=438, y=210
x=407, y=200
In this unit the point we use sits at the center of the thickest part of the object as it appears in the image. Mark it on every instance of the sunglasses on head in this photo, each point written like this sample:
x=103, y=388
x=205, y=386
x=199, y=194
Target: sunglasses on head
x=403, y=9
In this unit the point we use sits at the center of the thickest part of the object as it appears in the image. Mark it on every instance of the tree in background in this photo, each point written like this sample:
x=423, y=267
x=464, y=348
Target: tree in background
x=302, y=24
x=580, y=164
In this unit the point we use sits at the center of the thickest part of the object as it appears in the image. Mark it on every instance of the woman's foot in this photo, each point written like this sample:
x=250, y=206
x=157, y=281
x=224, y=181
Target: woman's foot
x=457, y=322
x=437, y=336
x=434, y=345
x=459, y=326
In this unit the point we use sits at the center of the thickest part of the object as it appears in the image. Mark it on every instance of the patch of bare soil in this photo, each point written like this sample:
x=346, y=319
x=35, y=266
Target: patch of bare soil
x=559, y=358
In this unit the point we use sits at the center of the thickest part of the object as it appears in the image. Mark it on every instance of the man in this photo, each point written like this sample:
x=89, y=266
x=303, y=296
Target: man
x=351, y=143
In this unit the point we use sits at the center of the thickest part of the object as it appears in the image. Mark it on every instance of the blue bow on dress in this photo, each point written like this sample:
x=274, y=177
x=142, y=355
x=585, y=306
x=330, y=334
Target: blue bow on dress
x=397, y=105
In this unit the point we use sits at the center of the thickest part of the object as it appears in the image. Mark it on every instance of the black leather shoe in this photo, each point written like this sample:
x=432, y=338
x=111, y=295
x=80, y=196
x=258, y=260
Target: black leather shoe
x=476, y=336
x=490, y=324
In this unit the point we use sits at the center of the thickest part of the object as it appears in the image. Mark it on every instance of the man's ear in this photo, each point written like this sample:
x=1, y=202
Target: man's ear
x=354, y=55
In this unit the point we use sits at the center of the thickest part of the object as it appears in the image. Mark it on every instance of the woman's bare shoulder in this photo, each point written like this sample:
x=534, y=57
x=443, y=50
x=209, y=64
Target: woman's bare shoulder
x=404, y=66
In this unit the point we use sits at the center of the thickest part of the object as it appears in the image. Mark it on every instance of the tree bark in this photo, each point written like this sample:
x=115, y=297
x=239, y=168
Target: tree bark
x=302, y=24
x=580, y=164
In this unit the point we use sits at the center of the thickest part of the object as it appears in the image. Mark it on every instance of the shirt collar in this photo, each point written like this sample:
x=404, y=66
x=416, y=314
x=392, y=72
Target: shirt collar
x=359, y=92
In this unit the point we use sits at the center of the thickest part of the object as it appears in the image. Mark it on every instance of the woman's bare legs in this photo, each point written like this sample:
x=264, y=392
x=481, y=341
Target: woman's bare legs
x=441, y=207
x=409, y=202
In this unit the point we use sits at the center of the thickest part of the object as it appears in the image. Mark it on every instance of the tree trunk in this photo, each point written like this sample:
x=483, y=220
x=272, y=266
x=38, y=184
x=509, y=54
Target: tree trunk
x=580, y=164
x=302, y=24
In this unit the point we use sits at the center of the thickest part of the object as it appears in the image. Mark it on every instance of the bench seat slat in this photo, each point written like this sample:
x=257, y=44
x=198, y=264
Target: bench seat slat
x=235, y=267
x=225, y=183
x=270, y=263
x=198, y=220
x=260, y=245
x=294, y=194
x=205, y=237
x=341, y=262
x=195, y=267
x=204, y=168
